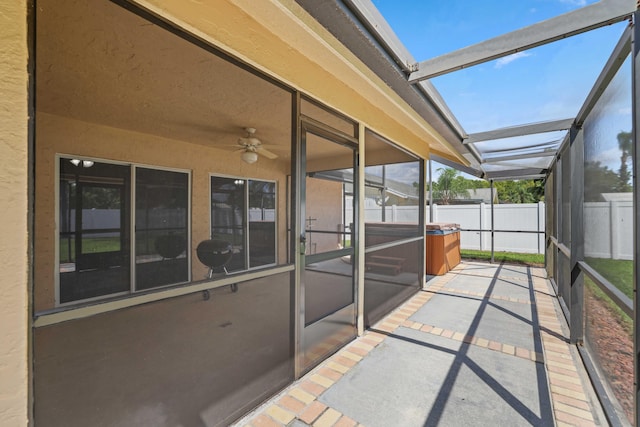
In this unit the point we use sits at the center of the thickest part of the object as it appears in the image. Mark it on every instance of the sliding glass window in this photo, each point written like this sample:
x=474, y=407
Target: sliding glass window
x=162, y=203
x=95, y=218
x=243, y=222
x=94, y=231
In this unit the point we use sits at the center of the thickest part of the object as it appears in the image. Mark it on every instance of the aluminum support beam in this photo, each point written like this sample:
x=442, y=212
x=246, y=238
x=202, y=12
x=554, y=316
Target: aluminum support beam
x=533, y=176
x=381, y=31
x=380, y=28
x=474, y=152
x=361, y=229
x=557, y=204
x=515, y=131
x=423, y=220
x=430, y=190
x=438, y=102
x=458, y=166
x=296, y=243
x=383, y=194
x=516, y=174
x=543, y=145
x=587, y=18
x=635, y=79
x=576, y=327
x=503, y=158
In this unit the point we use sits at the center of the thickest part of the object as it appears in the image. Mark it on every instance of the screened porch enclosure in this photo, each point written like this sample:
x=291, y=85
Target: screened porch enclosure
x=183, y=272
x=591, y=200
x=588, y=158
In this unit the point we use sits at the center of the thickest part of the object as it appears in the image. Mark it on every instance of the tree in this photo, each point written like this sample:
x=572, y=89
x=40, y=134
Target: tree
x=520, y=191
x=475, y=184
x=624, y=176
x=450, y=185
x=598, y=179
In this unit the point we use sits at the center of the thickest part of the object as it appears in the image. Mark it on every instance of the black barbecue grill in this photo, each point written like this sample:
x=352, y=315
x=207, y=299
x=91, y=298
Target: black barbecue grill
x=215, y=254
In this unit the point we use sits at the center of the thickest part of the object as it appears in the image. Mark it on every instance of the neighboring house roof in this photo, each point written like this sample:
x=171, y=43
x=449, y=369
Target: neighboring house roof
x=484, y=194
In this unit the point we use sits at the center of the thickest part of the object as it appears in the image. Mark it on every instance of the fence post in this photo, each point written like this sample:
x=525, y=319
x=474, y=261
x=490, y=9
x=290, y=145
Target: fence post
x=541, y=224
x=493, y=242
x=614, y=223
x=431, y=213
x=481, y=224
x=435, y=213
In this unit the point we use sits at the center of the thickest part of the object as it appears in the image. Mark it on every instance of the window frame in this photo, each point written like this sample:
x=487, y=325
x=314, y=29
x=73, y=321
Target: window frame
x=245, y=215
x=131, y=217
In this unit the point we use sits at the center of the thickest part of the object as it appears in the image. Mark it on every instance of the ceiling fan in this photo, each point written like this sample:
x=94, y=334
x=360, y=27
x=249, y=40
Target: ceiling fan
x=252, y=146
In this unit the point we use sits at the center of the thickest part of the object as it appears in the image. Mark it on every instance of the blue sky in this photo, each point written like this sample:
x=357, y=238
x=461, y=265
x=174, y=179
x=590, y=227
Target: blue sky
x=545, y=83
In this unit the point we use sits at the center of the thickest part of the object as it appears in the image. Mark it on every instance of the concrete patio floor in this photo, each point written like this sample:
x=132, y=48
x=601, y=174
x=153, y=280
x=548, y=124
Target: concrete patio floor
x=483, y=345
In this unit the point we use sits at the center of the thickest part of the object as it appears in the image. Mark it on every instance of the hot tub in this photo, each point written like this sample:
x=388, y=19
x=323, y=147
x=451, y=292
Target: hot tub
x=443, y=247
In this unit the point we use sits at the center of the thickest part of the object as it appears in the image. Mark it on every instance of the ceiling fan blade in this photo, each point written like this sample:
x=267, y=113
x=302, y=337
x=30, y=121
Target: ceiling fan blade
x=268, y=154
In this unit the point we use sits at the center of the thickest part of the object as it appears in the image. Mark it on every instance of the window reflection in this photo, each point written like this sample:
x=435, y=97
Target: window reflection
x=95, y=220
x=392, y=193
x=162, y=199
x=608, y=206
x=262, y=223
x=243, y=215
x=94, y=233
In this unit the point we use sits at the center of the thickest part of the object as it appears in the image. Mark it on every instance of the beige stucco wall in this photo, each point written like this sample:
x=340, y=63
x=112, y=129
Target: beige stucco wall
x=324, y=206
x=60, y=135
x=14, y=169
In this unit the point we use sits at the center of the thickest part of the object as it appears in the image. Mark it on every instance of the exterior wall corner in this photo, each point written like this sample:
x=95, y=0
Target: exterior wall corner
x=14, y=228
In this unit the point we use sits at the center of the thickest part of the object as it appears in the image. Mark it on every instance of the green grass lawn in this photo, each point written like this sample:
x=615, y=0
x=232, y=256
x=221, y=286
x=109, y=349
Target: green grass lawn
x=618, y=272
x=536, y=260
x=90, y=245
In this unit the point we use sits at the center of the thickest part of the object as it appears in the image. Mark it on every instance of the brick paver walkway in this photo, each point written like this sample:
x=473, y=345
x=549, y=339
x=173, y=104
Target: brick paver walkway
x=299, y=404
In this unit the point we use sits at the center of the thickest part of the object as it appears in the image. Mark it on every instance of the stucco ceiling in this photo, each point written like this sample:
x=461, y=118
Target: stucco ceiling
x=99, y=63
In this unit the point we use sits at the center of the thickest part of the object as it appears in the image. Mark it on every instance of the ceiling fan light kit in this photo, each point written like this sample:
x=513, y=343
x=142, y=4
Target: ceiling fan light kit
x=252, y=146
x=249, y=156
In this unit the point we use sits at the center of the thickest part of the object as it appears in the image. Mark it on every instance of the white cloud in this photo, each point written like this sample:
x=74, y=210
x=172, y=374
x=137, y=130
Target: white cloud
x=579, y=3
x=609, y=158
x=509, y=59
x=407, y=173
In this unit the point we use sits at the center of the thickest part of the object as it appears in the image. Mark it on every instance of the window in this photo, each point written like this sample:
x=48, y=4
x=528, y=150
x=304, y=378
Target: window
x=162, y=199
x=95, y=232
x=243, y=215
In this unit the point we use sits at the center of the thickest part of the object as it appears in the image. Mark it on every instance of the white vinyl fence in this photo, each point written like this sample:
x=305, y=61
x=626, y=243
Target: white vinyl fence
x=607, y=225
x=608, y=229
x=507, y=217
x=516, y=217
